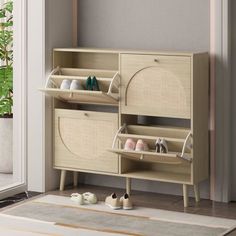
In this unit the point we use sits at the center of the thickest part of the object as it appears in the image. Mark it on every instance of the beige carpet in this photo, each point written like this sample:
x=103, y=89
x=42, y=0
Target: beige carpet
x=57, y=215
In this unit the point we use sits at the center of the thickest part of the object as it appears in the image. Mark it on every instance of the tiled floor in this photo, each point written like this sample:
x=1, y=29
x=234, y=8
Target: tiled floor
x=17, y=198
x=6, y=179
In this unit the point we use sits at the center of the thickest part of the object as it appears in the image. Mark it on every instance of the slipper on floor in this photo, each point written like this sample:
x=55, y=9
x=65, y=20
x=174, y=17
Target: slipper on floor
x=90, y=198
x=78, y=198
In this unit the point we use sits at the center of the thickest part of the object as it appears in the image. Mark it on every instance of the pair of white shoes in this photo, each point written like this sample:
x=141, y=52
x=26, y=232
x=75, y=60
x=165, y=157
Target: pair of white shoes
x=72, y=85
x=131, y=145
x=85, y=198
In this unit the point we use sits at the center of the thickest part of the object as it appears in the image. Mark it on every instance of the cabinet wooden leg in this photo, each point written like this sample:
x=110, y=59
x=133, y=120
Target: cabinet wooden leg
x=75, y=175
x=185, y=194
x=196, y=192
x=128, y=185
x=63, y=178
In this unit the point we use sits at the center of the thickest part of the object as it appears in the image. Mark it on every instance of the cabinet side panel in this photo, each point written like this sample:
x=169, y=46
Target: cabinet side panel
x=200, y=117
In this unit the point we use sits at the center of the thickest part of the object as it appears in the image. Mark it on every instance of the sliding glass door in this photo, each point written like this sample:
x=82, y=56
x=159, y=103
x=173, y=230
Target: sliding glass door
x=12, y=101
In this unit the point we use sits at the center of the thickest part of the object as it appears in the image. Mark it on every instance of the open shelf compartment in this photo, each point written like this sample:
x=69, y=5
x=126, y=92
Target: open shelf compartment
x=163, y=176
x=108, y=81
x=179, y=142
x=156, y=171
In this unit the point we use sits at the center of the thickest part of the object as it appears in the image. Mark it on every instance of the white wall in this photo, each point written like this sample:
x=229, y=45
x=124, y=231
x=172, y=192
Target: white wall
x=59, y=33
x=35, y=72
x=49, y=25
x=137, y=24
x=149, y=24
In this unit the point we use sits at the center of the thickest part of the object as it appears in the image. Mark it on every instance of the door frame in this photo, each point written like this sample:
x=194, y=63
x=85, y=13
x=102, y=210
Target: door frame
x=19, y=106
x=220, y=121
x=43, y=17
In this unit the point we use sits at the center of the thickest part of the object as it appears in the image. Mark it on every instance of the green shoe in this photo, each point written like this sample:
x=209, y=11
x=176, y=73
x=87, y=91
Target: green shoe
x=89, y=83
x=95, y=86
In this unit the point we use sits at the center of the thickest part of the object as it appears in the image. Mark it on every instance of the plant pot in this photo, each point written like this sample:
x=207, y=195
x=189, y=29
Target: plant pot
x=6, y=144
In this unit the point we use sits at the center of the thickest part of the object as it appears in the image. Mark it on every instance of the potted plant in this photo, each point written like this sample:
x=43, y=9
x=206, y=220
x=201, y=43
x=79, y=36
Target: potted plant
x=6, y=87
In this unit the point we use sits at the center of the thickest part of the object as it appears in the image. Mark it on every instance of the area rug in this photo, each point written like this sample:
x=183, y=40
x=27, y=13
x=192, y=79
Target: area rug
x=58, y=215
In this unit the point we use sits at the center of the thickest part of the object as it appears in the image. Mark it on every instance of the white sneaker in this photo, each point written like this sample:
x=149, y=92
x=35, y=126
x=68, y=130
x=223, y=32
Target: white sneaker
x=76, y=85
x=78, y=198
x=65, y=84
x=90, y=198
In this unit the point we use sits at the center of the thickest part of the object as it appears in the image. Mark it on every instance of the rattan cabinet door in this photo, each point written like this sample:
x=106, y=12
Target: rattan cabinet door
x=81, y=140
x=156, y=85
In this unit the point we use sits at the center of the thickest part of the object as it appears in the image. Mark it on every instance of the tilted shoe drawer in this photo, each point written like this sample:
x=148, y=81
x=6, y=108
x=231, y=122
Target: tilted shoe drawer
x=156, y=85
x=81, y=140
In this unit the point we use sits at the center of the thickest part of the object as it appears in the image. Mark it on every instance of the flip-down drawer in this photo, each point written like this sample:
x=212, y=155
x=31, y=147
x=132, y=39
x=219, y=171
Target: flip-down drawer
x=156, y=85
x=81, y=140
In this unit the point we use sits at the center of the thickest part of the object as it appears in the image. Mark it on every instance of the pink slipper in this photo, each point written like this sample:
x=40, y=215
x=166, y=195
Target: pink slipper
x=141, y=146
x=129, y=144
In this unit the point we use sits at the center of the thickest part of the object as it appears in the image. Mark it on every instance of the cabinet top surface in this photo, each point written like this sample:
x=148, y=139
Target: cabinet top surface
x=120, y=51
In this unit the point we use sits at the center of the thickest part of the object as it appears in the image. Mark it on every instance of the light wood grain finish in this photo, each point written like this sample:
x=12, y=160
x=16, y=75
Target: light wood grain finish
x=128, y=186
x=200, y=117
x=81, y=96
x=196, y=192
x=104, y=77
x=86, y=60
x=62, y=181
x=159, y=84
x=155, y=85
x=158, y=176
x=124, y=51
x=81, y=140
x=185, y=195
x=148, y=156
x=108, y=82
x=174, y=136
x=75, y=178
x=159, y=131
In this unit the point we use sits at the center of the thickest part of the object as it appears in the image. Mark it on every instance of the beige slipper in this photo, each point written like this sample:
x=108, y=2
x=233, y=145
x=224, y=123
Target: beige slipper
x=126, y=202
x=113, y=202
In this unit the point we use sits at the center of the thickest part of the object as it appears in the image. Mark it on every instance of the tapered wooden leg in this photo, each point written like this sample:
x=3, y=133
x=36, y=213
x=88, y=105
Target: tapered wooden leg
x=75, y=175
x=63, y=178
x=185, y=194
x=196, y=192
x=128, y=185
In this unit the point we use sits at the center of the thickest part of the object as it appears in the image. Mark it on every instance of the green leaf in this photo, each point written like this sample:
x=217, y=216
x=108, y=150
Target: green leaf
x=6, y=57
x=7, y=24
x=2, y=13
x=9, y=6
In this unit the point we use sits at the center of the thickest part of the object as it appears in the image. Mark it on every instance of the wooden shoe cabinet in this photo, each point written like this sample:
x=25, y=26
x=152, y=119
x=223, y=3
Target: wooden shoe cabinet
x=144, y=95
